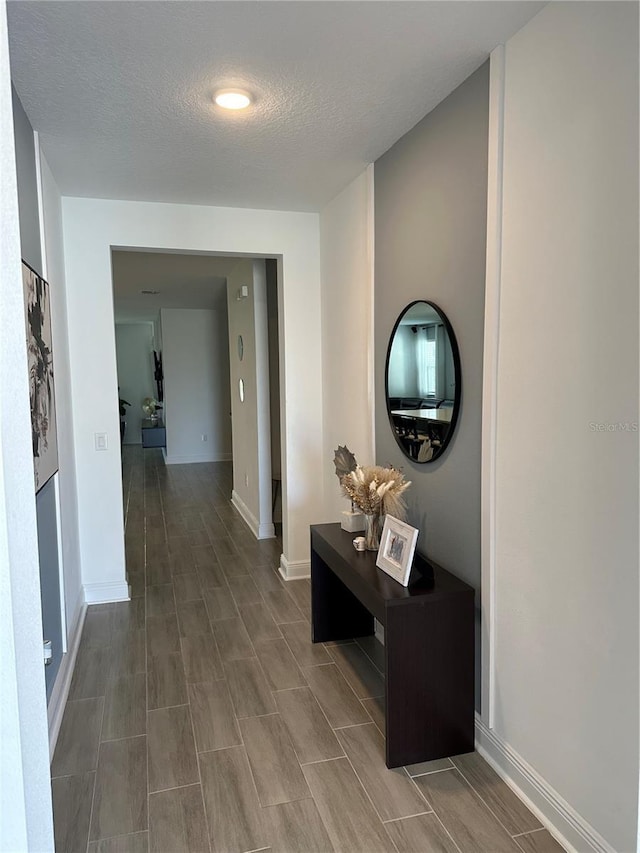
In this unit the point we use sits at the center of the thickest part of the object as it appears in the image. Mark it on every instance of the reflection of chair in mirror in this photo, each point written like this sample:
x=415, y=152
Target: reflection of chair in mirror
x=426, y=451
x=405, y=430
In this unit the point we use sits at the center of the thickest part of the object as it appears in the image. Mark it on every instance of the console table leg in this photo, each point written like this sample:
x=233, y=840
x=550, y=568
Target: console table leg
x=429, y=681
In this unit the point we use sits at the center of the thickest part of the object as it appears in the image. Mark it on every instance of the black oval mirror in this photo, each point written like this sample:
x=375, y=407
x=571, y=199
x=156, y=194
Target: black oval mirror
x=423, y=381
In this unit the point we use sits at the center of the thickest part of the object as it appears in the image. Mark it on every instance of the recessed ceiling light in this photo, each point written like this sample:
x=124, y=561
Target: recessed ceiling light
x=232, y=99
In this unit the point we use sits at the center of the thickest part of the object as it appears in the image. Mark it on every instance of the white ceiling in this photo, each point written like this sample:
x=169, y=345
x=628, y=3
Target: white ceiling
x=120, y=92
x=183, y=281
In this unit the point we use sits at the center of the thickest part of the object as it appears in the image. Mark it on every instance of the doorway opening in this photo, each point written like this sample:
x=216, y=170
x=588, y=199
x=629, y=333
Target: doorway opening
x=179, y=320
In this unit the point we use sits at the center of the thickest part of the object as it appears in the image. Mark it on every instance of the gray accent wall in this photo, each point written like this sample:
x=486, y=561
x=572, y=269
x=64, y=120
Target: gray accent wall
x=430, y=243
x=27, y=186
x=49, y=578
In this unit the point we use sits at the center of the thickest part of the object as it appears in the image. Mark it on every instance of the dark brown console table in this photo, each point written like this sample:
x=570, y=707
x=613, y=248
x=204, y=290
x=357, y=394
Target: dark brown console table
x=429, y=643
x=153, y=433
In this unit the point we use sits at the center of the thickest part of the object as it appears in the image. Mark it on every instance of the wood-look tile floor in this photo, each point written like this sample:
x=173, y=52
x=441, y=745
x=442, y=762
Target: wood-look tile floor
x=202, y=718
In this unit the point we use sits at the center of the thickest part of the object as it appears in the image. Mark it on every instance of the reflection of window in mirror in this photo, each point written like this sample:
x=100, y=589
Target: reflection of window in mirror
x=425, y=350
x=422, y=381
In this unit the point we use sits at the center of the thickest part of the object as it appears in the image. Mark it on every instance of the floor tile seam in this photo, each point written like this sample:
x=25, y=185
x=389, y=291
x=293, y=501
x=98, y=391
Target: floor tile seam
x=442, y=824
x=416, y=787
x=256, y=716
x=482, y=804
x=383, y=733
x=245, y=624
x=146, y=661
x=195, y=748
x=337, y=663
x=120, y=835
x=353, y=725
x=220, y=748
x=197, y=784
x=322, y=711
x=407, y=816
x=334, y=728
x=323, y=760
x=284, y=722
x=430, y=772
x=243, y=746
x=530, y=832
x=289, y=689
x=216, y=644
x=364, y=788
x=95, y=778
x=366, y=793
x=284, y=621
x=486, y=804
x=300, y=666
x=72, y=775
x=167, y=707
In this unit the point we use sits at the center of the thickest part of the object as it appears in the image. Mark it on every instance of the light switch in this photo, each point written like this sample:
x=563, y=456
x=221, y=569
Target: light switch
x=101, y=441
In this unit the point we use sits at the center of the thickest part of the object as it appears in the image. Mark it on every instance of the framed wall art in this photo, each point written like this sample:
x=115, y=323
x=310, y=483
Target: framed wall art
x=37, y=301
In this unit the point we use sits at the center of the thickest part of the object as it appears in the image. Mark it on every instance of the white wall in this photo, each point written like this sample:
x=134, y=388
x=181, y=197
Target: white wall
x=251, y=416
x=25, y=794
x=92, y=227
x=196, y=385
x=566, y=547
x=347, y=332
x=134, y=360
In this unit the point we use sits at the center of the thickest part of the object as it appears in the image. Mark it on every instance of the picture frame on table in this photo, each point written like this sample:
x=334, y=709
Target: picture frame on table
x=397, y=547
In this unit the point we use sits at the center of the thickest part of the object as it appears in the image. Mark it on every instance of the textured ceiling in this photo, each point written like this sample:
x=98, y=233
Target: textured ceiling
x=184, y=281
x=121, y=91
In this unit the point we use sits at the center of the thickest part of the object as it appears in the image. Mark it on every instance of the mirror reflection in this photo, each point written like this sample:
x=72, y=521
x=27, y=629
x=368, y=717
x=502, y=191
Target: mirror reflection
x=422, y=381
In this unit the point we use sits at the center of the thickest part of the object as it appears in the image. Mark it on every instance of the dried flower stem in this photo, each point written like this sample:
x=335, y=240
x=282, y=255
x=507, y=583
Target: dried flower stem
x=376, y=490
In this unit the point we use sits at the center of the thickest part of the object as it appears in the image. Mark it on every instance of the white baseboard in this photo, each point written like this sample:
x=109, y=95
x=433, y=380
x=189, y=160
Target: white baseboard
x=195, y=457
x=293, y=570
x=555, y=813
x=260, y=530
x=58, y=699
x=105, y=593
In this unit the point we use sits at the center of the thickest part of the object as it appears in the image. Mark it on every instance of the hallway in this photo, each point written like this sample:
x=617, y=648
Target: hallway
x=202, y=718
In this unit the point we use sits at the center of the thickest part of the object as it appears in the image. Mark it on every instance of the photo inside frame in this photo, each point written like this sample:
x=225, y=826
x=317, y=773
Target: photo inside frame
x=395, y=547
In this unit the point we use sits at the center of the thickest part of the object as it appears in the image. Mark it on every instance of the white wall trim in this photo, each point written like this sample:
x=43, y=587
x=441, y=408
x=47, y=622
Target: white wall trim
x=562, y=821
x=60, y=692
x=105, y=593
x=490, y=379
x=188, y=460
x=293, y=570
x=371, y=344
x=63, y=607
x=260, y=531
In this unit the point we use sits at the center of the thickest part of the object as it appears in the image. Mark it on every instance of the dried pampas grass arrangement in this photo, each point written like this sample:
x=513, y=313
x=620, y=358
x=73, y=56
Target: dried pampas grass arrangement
x=376, y=490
